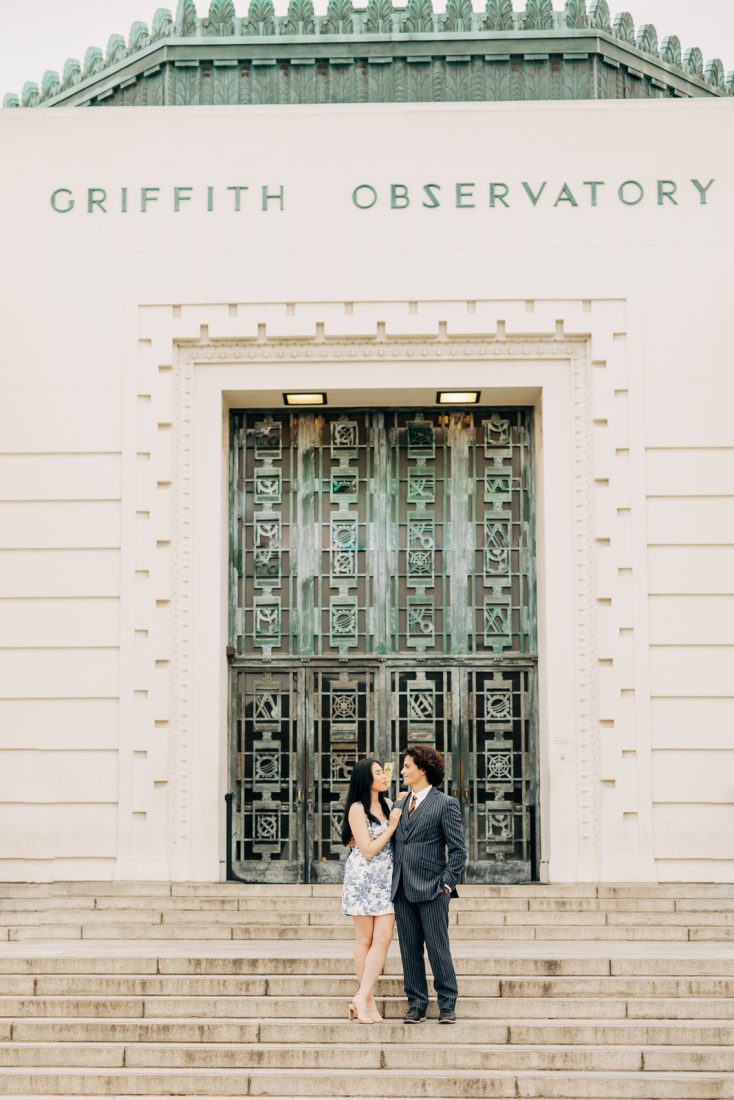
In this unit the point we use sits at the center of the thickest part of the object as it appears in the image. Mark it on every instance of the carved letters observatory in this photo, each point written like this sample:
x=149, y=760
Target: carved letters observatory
x=463, y=195
x=499, y=194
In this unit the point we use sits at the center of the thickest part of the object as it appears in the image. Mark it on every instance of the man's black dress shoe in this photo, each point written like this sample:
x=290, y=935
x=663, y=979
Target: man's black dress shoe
x=414, y=1016
x=447, y=1016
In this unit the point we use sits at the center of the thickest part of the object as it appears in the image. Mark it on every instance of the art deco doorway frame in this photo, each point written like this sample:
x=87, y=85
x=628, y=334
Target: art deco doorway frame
x=186, y=365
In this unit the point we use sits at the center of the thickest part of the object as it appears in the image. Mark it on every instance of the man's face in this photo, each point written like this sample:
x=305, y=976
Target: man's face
x=411, y=773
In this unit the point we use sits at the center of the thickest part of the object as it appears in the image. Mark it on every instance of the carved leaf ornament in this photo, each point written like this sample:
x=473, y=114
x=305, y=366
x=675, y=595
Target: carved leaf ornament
x=539, y=15
x=380, y=17
x=624, y=27
x=138, y=36
x=116, y=48
x=599, y=17
x=575, y=12
x=31, y=96
x=693, y=60
x=93, y=61
x=187, y=22
x=162, y=23
x=220, y=20
x=418, y=17
x=300, y=17
x=339, y=17
x=72, y=72
x=51, y=85
x=715, y=73
x=670, y=50
x=459, y=15
x=499, y=15
x=647, y=39
x=260, y=17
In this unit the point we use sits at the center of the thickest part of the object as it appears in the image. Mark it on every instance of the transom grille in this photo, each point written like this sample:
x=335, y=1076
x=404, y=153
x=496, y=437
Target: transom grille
x=382, y=533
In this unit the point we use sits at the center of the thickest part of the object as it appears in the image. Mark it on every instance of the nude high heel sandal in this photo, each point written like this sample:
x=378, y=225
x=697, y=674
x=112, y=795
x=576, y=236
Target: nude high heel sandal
x=354, y=1014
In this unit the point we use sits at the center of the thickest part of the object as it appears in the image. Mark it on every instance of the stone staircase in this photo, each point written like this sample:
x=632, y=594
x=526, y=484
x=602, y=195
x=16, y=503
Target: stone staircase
x=231, y=911
x=229, y=990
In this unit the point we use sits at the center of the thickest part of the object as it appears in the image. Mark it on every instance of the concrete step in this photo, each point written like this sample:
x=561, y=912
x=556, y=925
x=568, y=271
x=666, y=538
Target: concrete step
x=359, y=1056
x=309, y=903
x=612, y=1032
x=238, y=1007
x=345, y=933
x=309, y=918
x=673, y=890
x=517, y=1032
x=328, y=912
x=689, y=1009
x=141, y=932
x=478, y=1008
x=330, y=903
x=354, y=1056
x=382, y=1083
x=99, y=932
x=332, y=918
x=296, y=963
x=486, y=964
x=343, y=986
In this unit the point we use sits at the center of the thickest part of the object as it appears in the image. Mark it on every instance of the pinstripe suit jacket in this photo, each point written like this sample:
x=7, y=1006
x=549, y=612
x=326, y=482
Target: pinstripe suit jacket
x=428, y=848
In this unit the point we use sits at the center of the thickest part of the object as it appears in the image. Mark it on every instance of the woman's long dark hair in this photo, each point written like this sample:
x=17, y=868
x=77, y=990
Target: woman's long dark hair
x=360, y=790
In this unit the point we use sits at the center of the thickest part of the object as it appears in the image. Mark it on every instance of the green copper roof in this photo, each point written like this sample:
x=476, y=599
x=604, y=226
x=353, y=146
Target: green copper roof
x=380, y=53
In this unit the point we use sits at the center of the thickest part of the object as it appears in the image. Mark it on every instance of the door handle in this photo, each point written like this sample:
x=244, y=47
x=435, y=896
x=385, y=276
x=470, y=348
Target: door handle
x=466, y=794
x=299, y=796
x=309, y=807
x=454, y=792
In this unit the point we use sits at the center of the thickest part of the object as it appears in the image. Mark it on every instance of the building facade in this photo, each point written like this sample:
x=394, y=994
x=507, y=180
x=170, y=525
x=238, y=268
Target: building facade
x=214, y=601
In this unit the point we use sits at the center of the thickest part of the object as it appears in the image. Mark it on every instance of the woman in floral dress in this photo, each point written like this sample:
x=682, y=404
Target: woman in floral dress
x=369, y=823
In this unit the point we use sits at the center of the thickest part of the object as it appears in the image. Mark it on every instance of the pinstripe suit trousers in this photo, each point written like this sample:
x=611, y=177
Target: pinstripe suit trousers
x=425, y=923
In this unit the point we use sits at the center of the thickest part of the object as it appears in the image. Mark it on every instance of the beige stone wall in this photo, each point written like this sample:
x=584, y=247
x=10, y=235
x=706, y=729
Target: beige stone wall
x=613, y=321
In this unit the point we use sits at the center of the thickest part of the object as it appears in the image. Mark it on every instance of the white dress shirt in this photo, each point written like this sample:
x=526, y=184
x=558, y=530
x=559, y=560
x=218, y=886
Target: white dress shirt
x=419, y=796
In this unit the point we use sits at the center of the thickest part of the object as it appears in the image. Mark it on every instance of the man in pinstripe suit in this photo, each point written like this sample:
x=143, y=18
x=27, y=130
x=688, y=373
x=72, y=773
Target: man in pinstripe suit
x=428, y=858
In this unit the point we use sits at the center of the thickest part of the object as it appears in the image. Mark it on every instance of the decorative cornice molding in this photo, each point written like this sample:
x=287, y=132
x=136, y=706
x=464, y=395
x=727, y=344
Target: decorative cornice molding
x=404, y=348
x=267, y=34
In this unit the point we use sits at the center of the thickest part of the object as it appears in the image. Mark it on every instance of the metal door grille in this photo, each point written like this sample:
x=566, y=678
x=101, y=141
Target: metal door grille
x=382, y=576
x=382, y=533
x=266, y=762
x=343, y=730
x=498, y=772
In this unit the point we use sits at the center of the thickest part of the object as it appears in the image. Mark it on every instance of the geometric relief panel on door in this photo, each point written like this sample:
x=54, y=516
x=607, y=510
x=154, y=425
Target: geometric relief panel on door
x=342, y=705
x=502, y=592
x=264, y=779
x=421, y=712
x=500, y=765
x=387, y=532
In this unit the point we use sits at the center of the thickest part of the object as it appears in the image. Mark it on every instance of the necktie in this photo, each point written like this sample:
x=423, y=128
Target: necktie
x=413, y=805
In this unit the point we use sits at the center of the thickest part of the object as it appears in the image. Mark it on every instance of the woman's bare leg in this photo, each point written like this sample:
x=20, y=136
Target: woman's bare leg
x=374, y=964
x=363, y=928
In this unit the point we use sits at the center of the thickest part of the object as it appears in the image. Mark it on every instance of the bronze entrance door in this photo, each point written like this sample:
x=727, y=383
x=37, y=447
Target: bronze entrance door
x=382, y=595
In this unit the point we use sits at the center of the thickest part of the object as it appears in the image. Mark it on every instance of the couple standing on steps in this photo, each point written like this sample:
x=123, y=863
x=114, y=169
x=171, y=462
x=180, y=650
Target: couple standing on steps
x=405, y=862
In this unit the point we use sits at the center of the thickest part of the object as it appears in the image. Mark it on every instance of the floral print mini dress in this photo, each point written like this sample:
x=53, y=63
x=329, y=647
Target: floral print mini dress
x=368, y=882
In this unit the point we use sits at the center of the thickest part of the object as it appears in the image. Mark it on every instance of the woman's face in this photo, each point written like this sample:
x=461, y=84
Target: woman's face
x=379, y=779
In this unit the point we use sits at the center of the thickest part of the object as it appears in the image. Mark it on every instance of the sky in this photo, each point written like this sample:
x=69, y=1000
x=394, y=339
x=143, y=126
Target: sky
x=41, y=34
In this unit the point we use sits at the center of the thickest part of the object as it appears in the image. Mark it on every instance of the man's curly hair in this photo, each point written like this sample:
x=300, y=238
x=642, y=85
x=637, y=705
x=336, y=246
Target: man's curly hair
x=429, y=761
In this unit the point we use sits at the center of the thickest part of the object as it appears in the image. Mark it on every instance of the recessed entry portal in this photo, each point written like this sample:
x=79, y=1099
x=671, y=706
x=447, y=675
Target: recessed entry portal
x=382, y=593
